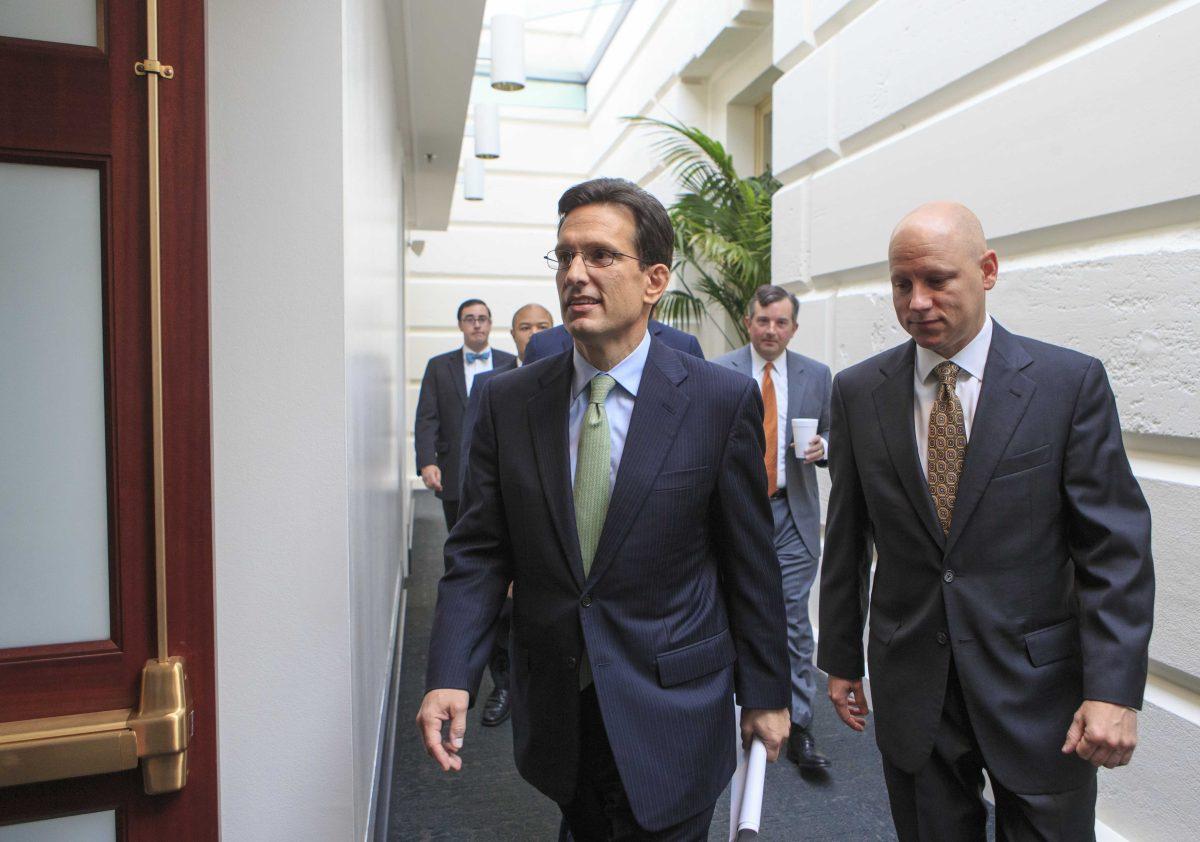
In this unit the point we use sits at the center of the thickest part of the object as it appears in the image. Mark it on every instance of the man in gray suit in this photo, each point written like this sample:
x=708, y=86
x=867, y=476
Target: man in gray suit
x=792, y=386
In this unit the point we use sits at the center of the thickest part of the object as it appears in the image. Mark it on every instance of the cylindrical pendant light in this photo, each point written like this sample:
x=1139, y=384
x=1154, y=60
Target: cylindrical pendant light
x=473, y=180
x=487, y=130
x=508, y=52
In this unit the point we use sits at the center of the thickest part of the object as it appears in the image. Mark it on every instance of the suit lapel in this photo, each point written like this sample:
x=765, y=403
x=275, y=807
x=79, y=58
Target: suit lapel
x=548, y=411
x=458, y=374
x=797, y=385
x=894, y=406
x=1003, y=399
x=657, y=413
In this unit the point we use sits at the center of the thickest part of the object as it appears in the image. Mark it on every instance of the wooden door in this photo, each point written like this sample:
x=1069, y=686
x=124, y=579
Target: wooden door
x=87, y=493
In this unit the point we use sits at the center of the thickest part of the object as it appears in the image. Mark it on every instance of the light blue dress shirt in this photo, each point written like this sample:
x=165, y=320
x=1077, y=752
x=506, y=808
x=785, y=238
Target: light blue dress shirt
x=618, y=405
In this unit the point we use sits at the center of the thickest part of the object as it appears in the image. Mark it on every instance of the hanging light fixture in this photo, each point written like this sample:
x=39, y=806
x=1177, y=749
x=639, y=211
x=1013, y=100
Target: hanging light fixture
x=487, y=130
x=508, y=52
x=473, y=180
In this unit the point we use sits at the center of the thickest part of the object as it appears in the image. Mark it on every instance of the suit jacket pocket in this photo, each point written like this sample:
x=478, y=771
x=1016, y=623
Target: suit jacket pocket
x=442, y=447
x=1022, y=462
x=883, y=628
x=696, y=659
x=1053, y=643
x=680, y=479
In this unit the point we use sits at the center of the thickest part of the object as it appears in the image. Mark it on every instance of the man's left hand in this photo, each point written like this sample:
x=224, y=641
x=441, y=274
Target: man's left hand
x=815, y=450
x=1103, y=734
x=770, y=726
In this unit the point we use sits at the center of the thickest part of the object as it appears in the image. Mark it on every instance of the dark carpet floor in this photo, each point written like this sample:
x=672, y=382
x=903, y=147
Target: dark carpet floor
x=488, y=800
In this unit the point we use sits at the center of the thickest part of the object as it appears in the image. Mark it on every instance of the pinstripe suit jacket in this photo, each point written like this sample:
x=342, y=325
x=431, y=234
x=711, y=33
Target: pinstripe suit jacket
x=683, y=605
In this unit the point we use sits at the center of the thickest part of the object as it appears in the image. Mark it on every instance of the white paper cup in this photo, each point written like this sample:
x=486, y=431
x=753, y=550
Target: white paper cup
x=803, y=429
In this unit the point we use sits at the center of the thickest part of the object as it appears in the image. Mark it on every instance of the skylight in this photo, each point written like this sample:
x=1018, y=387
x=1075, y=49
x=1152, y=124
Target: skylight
x=564, y=39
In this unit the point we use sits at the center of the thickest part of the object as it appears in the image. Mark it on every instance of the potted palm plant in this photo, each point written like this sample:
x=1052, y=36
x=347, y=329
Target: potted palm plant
x=722, y=230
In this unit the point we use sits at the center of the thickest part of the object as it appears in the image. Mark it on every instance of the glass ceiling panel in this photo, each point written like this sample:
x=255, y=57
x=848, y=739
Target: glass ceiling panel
x=564, y=39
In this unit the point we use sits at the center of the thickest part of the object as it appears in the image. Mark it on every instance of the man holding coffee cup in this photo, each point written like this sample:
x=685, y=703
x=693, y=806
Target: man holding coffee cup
x=795, y=391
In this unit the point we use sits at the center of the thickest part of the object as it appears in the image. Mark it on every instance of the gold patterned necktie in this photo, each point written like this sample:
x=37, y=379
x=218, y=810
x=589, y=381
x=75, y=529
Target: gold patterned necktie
x=947, y=444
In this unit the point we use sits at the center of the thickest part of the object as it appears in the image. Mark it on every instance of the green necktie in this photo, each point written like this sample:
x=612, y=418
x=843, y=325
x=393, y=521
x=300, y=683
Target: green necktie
x=592, y=470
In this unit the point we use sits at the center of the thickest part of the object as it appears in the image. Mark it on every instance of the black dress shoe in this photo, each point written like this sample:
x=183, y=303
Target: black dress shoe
x=495, y=709
x=802, y=750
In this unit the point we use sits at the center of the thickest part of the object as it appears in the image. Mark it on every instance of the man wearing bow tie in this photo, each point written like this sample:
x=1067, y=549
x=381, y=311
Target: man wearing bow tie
x=443, y=402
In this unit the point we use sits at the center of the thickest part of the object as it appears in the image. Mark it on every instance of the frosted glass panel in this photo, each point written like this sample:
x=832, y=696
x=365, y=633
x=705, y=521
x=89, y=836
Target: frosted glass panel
x=92, y=827
x=53, y=491
x=61, y=21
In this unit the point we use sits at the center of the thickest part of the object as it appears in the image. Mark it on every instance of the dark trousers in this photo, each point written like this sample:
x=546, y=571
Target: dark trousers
x=600, y=811
x=450, y=510
x=943, y=800
x=498, y=662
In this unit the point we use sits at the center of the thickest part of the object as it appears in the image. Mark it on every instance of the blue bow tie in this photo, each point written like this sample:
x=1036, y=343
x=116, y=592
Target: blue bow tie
x=482, y=355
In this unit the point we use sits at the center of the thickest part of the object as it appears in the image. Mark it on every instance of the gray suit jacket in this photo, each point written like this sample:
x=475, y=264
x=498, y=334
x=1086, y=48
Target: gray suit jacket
x=808, y=397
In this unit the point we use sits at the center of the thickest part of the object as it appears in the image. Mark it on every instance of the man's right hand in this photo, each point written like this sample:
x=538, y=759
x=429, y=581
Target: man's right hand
x=438, y=707
x=431, y=475
x=849, y=701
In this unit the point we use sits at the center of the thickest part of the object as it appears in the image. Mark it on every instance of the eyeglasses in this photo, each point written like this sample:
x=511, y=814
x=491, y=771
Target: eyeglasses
x=596, y=258
x=475, y=320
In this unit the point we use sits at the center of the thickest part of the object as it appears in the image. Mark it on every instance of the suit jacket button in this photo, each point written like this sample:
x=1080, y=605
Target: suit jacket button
x=586, y=601
x=948, y=576
x=572, y=663
x=942, y=638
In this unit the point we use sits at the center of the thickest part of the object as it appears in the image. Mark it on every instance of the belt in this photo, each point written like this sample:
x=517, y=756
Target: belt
x=781, y=494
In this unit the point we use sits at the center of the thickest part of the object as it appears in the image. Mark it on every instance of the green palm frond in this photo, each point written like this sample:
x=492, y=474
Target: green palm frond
x=722, y=226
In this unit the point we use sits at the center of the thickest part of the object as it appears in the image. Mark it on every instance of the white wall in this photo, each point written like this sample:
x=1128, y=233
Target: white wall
x=304, y=188
x=372, y=158
x=1071, y=129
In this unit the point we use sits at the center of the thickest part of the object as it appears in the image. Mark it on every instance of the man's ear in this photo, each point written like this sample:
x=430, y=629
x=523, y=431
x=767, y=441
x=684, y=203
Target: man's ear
x=989, y=265
x=658, y=277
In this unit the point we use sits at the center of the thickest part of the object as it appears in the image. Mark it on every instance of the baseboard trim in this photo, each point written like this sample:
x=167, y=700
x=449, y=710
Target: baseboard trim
x=380, y=805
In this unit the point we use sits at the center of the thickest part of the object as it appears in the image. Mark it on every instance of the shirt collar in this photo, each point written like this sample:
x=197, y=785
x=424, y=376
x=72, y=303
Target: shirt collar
x=627, y=373
x=758, y=362
x=972, y=359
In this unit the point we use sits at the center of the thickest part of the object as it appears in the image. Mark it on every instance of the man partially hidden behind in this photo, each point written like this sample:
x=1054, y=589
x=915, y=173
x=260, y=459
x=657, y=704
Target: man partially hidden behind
x=443, y=401
x=792, y=386
x=527, y=321
x=619, y=487
x=1013, y=595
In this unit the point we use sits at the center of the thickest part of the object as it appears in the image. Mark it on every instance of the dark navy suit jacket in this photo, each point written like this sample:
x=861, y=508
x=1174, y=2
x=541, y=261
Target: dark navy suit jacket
x=1043, y=592
x=471, y=416
x=683, y=605
x=555, y=340
x=441, y=405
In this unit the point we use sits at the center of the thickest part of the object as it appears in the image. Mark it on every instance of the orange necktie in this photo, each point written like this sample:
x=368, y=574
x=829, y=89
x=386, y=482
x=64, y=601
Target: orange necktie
x=771, y=429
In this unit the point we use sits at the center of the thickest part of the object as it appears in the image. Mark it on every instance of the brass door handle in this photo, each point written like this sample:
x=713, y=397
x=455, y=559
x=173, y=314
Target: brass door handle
x=157, y=734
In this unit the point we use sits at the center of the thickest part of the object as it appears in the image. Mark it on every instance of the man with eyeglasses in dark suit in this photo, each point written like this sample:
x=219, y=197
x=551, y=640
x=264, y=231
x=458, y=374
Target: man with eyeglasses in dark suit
x=443, y=403
x=620, y=487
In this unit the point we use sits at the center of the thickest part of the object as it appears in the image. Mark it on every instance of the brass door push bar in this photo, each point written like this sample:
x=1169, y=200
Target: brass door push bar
x=156, y=734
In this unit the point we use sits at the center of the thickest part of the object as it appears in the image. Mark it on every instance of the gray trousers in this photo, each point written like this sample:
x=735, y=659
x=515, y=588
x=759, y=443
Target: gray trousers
x=799, y=568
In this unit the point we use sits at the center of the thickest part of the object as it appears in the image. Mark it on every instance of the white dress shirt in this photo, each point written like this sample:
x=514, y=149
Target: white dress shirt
x=971, y=361
x=477, y=366
x=618, y=406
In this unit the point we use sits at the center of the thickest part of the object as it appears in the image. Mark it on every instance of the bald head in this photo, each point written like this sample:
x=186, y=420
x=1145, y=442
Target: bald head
x=941, y=270
x=527, y=321
x=949, y=223
x=534, y=312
